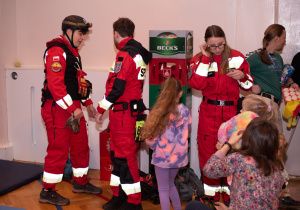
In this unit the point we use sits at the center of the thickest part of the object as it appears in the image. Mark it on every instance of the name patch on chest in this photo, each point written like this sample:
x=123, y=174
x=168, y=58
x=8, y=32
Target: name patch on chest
x=56, y=67
x=118, y=66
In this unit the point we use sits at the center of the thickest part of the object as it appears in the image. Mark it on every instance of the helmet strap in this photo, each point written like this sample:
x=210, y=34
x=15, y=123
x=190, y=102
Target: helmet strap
x=71, y=40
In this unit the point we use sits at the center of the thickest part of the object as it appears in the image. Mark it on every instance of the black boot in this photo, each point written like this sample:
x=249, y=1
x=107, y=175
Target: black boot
x=87, y=188
x=53, y=197
x=288, y=202
x=131, y=206
x=114, y=203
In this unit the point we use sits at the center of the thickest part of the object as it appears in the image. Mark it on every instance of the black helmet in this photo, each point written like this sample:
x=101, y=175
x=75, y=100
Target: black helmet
x=75, y=22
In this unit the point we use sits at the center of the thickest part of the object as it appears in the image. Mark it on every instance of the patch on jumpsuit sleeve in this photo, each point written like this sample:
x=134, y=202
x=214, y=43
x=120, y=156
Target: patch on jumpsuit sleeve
x=56, y=67
x=118, y=66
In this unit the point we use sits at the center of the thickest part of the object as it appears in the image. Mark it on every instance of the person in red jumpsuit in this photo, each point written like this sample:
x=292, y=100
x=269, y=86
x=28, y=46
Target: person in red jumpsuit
x=123, y=97
x=65, y=88
x=219, y=72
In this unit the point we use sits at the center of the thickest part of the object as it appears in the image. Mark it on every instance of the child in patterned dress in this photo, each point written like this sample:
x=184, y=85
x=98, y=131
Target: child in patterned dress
x=166, y=132
x=256, y=166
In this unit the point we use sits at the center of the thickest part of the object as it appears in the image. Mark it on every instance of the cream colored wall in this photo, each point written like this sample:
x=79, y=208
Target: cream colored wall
x=289, y=16
x=8, y=49
x=27, y=25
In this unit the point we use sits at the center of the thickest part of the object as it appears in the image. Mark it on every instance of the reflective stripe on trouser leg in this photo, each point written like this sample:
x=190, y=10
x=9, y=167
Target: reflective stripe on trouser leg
x=124, y=174
x=52, y=178
x=128, y=188
x=131, y=188
x=212, y=190
x=80, y=172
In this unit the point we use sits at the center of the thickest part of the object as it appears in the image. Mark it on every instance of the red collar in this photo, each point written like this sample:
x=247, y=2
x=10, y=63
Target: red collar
x=73, y=50
x=123, y=42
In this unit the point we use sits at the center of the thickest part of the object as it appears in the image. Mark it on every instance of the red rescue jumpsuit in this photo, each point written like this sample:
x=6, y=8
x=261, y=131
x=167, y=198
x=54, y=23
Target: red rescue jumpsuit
x=60, y=99
x=206, y=76
x=124, y=84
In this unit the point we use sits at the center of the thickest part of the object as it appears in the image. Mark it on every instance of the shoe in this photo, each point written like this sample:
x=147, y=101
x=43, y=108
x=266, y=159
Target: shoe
x=53, y=197
x=288, y=202
x=114, y=203
x=87, y=188
x=131, y=206
x=207, y=201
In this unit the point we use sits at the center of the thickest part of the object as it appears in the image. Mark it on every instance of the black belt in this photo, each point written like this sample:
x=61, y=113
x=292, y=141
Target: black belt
x=119, y=106
x=276, y=100
x=218, y=102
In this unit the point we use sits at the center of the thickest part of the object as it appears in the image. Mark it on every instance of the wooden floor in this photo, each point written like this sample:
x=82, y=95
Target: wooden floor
x=26, y=197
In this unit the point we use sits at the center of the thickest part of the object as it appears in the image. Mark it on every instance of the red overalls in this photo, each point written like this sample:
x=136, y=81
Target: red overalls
x=124, y=85
x=60, y=99
x=220, y=96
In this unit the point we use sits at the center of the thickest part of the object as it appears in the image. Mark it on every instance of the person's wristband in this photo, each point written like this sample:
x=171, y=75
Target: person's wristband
x=291, y=84
x=229, y=145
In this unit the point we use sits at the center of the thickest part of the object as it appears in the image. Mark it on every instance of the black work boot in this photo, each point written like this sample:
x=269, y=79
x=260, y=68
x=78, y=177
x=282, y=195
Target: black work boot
x=131, y=206
x=114, y=203
x=87, y=188
x=288, y=202
x=53, y=197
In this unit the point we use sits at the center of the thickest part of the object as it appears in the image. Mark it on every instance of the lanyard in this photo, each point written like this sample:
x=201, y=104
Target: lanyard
x=275, y=66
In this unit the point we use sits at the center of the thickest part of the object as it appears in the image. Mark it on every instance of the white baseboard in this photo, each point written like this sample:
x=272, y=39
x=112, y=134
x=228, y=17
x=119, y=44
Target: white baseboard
x=7, y=153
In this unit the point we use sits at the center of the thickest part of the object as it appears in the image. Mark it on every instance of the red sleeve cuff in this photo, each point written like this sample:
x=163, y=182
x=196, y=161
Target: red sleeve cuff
x=71, y=109
x=100, y=110
x=243, y=80
x=88, y=103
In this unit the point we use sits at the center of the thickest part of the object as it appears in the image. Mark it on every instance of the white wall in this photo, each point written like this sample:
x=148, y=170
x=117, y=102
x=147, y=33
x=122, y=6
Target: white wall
x=7, y=53
x=31, y=23
x=289, y=16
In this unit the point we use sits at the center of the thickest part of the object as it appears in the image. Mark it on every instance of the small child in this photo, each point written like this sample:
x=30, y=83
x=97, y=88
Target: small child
x=166, y=131
x=253, y=106
x=255, y=167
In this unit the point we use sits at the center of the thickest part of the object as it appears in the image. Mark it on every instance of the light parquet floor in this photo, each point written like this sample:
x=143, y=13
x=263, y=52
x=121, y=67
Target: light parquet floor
x=26, y=197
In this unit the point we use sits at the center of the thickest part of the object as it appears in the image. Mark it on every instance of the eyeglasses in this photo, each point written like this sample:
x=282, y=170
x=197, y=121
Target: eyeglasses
x=214, y=47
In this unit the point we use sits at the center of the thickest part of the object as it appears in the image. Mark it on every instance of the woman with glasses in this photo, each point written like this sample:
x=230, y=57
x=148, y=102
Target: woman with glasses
x=219, y=72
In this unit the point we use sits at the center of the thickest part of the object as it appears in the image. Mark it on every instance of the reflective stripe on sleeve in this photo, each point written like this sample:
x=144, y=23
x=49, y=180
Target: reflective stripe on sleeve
x=65, y=102
x=235, y=62
x=248, y=83
x=105, y=104
x=138, y=59
x=202, y=70
x=52, y=178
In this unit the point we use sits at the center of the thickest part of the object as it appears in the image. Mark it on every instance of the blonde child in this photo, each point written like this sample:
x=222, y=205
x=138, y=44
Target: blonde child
x=252, y=106
x=166, y=132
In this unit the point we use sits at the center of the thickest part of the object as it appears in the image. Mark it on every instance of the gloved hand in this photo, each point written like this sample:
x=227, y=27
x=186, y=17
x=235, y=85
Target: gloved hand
x=73, y=124
x=82, y=83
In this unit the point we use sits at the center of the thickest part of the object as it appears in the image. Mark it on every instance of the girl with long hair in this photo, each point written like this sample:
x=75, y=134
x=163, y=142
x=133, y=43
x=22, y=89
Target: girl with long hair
x=255, y=167
x=166, y=131
x=218, y=71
